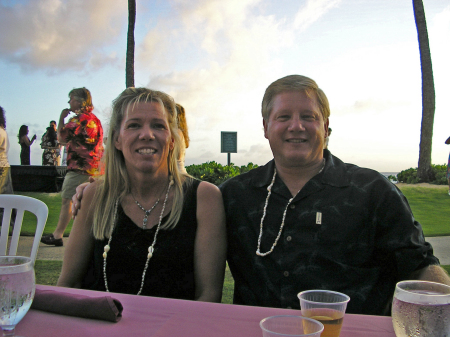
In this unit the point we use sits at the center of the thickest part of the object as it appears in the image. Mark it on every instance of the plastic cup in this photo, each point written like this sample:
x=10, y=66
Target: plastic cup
x=325, y=306
x=287, y=325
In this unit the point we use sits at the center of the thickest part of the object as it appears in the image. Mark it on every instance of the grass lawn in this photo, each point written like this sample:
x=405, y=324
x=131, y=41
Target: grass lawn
x=431, y=207
x=53, y=202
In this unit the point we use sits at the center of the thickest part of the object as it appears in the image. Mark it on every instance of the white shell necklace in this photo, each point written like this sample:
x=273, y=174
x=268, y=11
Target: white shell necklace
x=269, y=189
x=150, y=249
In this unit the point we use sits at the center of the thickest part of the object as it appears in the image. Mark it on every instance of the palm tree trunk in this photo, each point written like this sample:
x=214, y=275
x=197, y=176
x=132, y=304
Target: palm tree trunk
x=424, y=171
x=129, y=71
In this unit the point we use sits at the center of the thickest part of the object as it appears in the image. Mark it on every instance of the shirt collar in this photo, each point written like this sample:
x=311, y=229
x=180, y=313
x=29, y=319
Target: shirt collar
x=334, y=172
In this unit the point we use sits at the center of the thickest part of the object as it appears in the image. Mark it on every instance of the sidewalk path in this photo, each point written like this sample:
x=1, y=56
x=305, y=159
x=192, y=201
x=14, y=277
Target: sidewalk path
x=441, y=246
x=45, y=252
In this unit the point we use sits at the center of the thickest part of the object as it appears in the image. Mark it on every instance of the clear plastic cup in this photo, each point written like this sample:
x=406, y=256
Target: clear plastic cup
x=325, y=306
x=293, y=326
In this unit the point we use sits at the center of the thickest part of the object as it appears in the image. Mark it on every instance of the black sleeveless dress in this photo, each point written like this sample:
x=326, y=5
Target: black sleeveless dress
x=170, y=271
x=24, y=154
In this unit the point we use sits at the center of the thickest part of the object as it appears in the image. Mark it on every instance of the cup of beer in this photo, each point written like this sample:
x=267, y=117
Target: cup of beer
x=325, y=306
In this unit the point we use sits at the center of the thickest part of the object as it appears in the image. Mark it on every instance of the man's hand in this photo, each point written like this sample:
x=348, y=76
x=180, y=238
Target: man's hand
x=76, y=199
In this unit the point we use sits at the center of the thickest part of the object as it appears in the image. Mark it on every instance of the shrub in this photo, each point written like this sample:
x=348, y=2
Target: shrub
x=392, y=178
x=409, y=176
x=216, y=173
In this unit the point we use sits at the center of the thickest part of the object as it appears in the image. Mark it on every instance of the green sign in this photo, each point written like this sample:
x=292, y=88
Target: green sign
x=228, y=142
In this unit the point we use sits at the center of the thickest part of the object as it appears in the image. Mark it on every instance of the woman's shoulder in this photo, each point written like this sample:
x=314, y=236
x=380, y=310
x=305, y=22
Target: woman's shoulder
x=207, y=190
x=199, y=185
x=90, y=190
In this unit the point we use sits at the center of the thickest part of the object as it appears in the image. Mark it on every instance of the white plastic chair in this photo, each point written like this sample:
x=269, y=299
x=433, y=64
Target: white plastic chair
x=22, y=204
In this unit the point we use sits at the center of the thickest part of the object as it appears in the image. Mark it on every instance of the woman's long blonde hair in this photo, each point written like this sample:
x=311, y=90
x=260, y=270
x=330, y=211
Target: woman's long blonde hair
x=115, y=183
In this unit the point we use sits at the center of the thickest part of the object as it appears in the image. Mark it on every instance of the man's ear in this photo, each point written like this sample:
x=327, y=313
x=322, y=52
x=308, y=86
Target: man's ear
x=325, y=125
x=265, y=128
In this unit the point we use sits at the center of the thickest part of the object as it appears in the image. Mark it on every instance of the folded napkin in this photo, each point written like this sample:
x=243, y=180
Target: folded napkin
x=103, y=308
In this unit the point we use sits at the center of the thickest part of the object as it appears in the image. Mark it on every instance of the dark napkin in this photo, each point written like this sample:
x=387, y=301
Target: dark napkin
x=103, y=308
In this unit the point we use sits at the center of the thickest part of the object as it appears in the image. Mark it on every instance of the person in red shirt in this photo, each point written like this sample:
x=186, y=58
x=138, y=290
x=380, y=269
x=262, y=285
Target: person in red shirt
x=83, y=138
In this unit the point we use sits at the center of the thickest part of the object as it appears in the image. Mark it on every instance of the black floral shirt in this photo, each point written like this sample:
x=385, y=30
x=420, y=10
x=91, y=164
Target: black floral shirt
x=349, y=230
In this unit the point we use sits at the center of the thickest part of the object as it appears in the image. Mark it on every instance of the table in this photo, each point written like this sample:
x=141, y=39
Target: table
x=162, y=317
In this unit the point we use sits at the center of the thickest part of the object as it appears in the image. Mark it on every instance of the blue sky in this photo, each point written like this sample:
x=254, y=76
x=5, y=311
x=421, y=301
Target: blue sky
x=217, y=57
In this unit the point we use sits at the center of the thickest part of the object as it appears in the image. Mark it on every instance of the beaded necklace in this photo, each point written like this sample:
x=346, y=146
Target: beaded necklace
x=269, y=189
x=150, y=249
x=147, y=212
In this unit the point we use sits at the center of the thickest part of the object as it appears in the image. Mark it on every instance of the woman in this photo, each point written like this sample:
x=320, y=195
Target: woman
x=50, y=145
x=25, y=144
x=155, y=230
x=5, y=170
x=184, y=135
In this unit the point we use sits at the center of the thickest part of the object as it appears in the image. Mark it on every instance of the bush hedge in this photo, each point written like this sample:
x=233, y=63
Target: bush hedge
x=409, y=176
x=216, y=173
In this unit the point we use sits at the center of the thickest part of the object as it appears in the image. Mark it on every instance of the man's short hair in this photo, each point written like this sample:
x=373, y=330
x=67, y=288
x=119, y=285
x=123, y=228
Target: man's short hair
x=294, y=83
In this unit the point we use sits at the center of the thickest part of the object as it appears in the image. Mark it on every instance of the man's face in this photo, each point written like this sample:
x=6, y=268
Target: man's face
x=74, y=104
x=296, y=130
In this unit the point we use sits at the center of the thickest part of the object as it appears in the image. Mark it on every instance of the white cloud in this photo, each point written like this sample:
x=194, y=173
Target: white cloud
x=238, y=52
x=59, y=35
x=313, y=11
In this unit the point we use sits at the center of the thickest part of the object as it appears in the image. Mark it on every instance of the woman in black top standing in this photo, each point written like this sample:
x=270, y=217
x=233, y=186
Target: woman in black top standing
x=25, y=144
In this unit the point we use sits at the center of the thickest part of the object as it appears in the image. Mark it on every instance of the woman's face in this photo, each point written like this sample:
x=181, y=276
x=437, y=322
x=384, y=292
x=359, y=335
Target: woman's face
x=145, y=138
x=53, y=125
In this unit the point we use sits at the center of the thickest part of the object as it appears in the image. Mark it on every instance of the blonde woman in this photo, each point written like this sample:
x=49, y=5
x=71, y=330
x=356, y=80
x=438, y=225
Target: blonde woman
x=157, y=231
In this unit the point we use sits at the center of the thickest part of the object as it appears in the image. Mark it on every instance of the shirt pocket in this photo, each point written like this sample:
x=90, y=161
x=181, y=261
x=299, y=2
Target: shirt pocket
x=343, y=234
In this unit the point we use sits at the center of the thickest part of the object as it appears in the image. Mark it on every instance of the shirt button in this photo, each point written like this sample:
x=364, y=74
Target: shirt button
x=292, y=206
x=286, y=273
x=289, y=238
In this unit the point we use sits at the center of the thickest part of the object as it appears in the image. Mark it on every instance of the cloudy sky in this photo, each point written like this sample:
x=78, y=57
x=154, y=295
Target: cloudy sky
x=216, y=58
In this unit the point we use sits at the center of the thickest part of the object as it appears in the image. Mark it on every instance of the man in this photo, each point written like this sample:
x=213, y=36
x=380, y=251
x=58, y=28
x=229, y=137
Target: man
x=306, y=220
x=83, y=138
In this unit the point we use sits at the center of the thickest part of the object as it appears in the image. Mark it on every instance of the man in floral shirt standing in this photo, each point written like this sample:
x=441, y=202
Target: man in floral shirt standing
x=83, y=138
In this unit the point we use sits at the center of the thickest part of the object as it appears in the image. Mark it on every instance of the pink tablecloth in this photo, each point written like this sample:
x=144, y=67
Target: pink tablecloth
x=160, y=317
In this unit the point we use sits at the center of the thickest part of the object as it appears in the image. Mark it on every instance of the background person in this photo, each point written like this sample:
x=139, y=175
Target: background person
x=184, y=135
x=49, y=142
x=83, y=138
x=6, y=186
x=25, y=144
x=448, y=166
x=306, y=220
x=143, y=204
